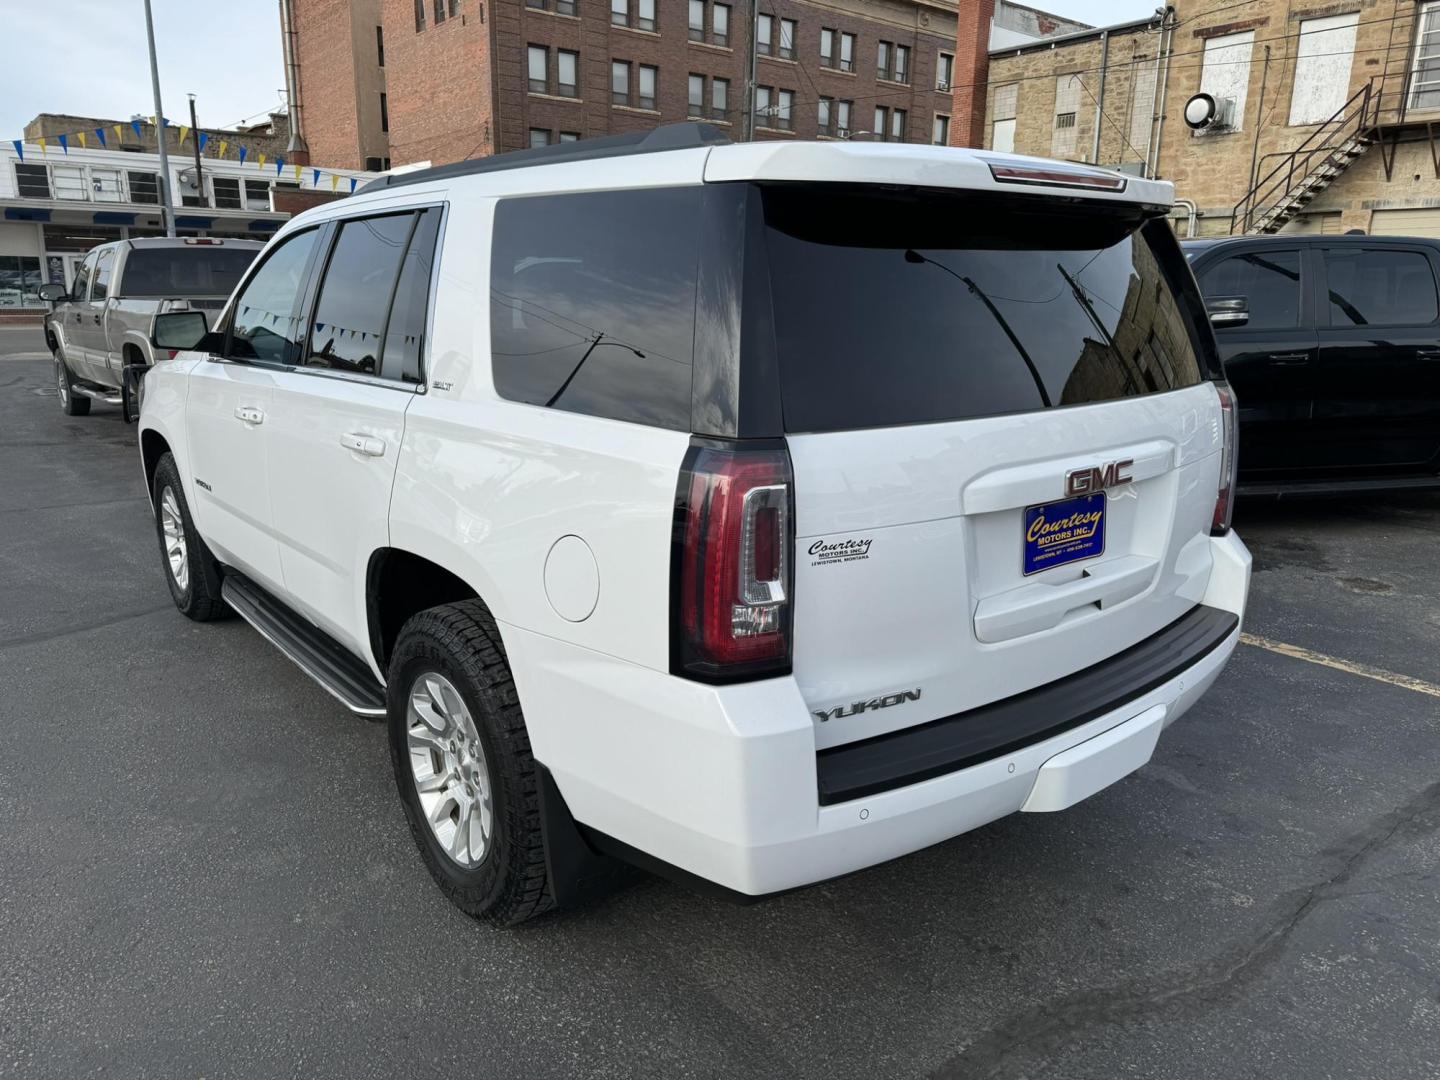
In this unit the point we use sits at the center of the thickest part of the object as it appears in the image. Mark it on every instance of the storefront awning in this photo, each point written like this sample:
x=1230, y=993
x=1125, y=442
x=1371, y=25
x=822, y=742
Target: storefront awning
x=113, y=217
x=194, y=222
x=24, y=213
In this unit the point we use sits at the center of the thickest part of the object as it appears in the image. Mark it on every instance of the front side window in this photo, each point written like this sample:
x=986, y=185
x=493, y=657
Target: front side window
x=895, y=307
x=355, y=294
x=266, y=324
x=1379, y=287
x=593, y=303
x=405, y=332
x=81, y=289
x=104, y=268
x=1268, y=280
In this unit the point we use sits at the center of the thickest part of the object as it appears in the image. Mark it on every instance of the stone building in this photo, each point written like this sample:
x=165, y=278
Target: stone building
x=1326, y=110
x=268, y=137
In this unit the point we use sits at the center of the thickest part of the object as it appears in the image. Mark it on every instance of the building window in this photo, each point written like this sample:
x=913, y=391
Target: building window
x=775, y=108
x=384, y=112
x=941, y=134
x=892, y=62
x=33, y=181
x=827, y=47
x=719, y=99
x=847, y=52
x=646, y=18
x=720, y=25
x=454, y=8
x=764, y=27
x=1425, y=76
x=696, y=102
x=439, y=12
x=539, y=68
x=697, y=20
x=380, y=45
x=843, y=109
x=559, y=7
x=1002, y=128
x=419, y=15
x=20, y=281
x=1323, y=57
x=642, y=19
x=787, y=39
x=824, y=116
x=567, y=74
x=105, y=185
x=227, y=192
x=257, y=195
x=889, y=124
x=377, y=164
x=620, y=12
x=145, y=187
x=649, y=76
x=1067, y=105
x=945, y=72
x=69, y=181
x=569, y=136
x=1225, y=73
x=539, y=137
x=619, y=82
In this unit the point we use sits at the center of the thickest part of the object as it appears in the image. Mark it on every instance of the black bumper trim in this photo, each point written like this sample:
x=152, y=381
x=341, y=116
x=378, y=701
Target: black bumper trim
x=951, y=743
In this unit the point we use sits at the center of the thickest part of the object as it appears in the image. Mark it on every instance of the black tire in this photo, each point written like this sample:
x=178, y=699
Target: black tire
x=198, y=596
x=461, y=643
x=71, y=403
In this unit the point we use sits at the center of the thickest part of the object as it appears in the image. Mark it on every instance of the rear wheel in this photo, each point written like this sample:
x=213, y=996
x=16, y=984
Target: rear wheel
x=190, y=570
x=463, y=765
x=71, y=403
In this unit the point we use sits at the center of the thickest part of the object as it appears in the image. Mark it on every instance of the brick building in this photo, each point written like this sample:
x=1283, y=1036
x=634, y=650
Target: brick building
x=340, y=55
x=1328, y=110
x=467, y=78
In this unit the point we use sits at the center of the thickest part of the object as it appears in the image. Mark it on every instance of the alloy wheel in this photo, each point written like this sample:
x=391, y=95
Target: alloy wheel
x=173, y=526
x=62, y=383
x=447, y=764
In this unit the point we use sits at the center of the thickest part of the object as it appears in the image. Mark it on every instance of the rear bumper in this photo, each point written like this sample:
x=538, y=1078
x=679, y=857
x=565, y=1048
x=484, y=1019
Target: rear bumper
x=722, y=783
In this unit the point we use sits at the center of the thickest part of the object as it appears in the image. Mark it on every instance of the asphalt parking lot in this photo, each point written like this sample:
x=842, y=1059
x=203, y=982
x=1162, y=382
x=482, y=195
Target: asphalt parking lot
x=204, y=870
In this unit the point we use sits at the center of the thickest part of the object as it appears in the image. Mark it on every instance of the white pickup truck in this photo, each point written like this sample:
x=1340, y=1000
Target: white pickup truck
x=103, y=325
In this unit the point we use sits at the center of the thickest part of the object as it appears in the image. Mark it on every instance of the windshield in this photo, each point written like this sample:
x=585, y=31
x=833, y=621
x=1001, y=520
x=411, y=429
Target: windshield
x=897, y=307
x=172, y=272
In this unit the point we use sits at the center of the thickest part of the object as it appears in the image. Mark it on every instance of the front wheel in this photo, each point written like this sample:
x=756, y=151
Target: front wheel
x=71, y=403
x=190, y=569
x=463, y=766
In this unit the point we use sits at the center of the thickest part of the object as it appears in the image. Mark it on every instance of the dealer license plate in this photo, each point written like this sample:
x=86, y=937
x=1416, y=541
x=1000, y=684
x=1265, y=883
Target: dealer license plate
x=1064, y=532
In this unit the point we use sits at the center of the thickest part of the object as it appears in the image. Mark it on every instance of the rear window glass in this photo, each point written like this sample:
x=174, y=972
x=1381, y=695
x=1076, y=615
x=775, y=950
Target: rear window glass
x=1380, y=287
x=904, y=307
x=185, y=271
x=592, y=303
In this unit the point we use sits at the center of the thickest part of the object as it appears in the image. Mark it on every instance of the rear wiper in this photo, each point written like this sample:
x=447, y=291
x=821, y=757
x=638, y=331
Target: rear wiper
x=913, y=256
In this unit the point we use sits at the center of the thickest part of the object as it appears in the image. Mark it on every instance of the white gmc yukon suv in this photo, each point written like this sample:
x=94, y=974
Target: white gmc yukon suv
x=750, y=513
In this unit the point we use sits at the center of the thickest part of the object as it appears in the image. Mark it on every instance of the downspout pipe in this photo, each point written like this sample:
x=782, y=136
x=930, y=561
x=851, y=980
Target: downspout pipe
x=1192, y=212
x=1167, y=39
x=292, y=80
x=1100, y=97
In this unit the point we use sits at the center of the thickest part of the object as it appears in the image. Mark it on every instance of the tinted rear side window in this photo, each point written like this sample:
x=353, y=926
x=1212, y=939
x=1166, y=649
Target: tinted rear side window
x=592, y=303
x=185, y=271
x=355, y=295
x=920, y=307
x=1268, y=280
x=1377, y=287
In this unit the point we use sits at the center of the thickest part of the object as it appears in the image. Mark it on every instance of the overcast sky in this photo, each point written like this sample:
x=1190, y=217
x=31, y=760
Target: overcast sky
x=88, y=57
x=1096, y=12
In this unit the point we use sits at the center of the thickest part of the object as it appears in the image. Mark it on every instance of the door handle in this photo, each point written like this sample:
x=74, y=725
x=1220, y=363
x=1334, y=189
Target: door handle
x=97, y=320
x=249, y=414
x=1290, y=358
x=368, y=445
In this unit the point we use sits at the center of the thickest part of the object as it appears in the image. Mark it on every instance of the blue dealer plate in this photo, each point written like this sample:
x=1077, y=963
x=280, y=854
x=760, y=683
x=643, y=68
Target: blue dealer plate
x=1064, y=532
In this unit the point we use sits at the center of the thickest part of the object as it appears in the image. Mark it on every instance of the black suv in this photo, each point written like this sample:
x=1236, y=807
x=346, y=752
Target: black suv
x=1332, y=344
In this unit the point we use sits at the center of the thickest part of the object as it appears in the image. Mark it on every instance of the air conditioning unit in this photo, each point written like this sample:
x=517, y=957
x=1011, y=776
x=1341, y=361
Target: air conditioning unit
x=1206, y=112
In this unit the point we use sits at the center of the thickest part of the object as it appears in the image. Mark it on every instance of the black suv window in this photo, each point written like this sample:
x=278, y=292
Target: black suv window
x=901, y=307
x=1379, y=287
x=592, y=302
x=266, y=322
x=1269, y=281
x=405, y=333
x=354, y=302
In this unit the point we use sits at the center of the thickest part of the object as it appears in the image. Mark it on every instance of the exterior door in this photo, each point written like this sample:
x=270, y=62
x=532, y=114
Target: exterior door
x=1377, y=401
x=229, y=411
x=71, y=317
x=338, y=418
x=92, y=322
x=1270, y=360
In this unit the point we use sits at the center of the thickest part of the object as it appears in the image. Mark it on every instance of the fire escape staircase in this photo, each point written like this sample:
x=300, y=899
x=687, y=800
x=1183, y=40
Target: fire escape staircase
x=1376, y=113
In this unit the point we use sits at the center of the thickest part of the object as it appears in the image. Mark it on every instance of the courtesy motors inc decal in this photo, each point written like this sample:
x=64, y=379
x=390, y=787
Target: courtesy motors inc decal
x=851, y=549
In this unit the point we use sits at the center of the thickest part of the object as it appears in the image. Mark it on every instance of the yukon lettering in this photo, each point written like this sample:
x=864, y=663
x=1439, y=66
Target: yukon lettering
x=855, y=708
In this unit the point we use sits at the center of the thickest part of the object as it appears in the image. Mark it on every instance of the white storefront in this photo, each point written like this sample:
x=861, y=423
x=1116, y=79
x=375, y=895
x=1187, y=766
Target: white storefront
x=55, y=207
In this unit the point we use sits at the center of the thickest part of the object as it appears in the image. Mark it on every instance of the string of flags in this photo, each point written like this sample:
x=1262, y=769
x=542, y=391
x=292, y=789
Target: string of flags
x=263, y=317
x=219, y=150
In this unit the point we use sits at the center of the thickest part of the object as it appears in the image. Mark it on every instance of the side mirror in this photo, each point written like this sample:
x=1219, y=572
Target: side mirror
x=1228, y=310
x=52, y=293
x=179, y=330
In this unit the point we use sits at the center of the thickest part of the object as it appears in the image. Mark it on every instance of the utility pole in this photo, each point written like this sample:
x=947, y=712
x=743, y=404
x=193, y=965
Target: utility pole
x=195, y=142
x=749, y=131
x=167, y=209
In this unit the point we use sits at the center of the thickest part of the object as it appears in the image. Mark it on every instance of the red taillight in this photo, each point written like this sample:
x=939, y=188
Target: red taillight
x=1225, y=499
x=732, y=574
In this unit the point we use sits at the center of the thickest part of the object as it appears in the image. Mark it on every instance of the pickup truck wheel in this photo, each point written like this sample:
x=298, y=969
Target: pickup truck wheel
x=190, y=569
x=71, y=403
x=463, y=766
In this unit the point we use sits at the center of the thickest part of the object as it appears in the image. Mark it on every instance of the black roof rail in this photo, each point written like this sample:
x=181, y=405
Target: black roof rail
x=666, y=137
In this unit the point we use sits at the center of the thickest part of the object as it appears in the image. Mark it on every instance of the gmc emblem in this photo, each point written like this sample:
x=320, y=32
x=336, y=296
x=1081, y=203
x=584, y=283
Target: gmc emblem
x=1084, y=481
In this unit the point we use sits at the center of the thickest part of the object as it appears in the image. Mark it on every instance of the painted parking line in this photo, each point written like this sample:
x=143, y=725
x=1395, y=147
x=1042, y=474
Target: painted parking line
x=1363, y=670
